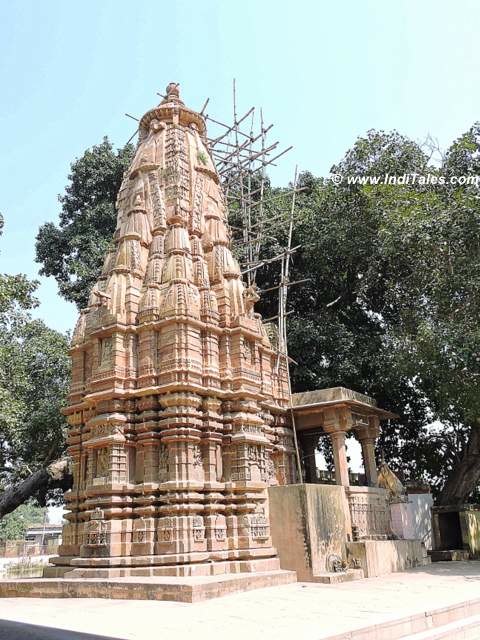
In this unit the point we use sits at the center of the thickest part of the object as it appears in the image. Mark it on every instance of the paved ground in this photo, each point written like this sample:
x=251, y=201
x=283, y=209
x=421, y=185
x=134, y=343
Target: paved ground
x=295, y=611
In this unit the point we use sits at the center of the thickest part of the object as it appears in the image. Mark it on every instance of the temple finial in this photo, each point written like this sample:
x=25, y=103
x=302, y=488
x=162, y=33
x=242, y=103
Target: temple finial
x=172, y=92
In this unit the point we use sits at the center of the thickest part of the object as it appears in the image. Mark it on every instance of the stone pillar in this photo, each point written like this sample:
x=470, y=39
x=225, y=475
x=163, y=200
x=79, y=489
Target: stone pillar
x=369, y=462
x=340, y=457
x=336, y=422
x=309, y=446
x=367, y=437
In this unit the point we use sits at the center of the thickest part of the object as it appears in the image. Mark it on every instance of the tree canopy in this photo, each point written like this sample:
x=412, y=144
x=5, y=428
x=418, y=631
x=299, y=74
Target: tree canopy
x=391, y=304
x=34, y=377
x=73, y=251
x=14, y=525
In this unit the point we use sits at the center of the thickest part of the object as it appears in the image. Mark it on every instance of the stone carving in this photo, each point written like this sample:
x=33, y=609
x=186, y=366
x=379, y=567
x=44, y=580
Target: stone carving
x=166, y=530
x=197, y=456
x=258, y=525
x=102, y=462
x=246, y=347
x=270, y=468
x=134, y=256
x=369, y=513
x=101, y=430
x=198, y=529
x=334, y=563
x=96, y=530
x=100, y=297
x=163, y=468
x=157, y=200
x=169, y=318
x=106, y=353
x=389, y=481
x=139, y=535
x=220, y=530
x=139, y=532
x=250, y=297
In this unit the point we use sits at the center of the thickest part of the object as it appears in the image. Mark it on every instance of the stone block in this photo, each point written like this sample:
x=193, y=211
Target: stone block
x=380, y=557
x=310, y=524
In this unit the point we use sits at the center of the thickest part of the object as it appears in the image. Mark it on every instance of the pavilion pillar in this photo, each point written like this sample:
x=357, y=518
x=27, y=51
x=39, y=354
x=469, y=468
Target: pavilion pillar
x=336, y=422
x=367, y=438
x=369, y=462
x=340, y=458
x=309, y=447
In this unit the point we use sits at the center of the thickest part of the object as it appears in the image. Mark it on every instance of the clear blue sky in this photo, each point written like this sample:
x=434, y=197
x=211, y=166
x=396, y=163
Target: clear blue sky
x=324, y=72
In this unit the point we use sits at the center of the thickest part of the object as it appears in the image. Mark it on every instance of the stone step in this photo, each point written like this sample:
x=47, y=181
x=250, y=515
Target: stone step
x=178, y=589
x=338, y=577
x=462, y=619
x=464, y=629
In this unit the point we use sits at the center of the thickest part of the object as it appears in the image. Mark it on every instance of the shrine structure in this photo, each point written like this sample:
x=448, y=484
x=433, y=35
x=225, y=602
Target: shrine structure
x=182, y=429
x=177, y=407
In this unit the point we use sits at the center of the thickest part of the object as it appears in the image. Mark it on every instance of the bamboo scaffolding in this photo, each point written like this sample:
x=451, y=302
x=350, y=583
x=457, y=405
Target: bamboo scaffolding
x=242, y=154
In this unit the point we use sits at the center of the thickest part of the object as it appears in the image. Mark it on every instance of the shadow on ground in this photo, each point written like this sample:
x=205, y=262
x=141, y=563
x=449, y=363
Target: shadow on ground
x=10, y=630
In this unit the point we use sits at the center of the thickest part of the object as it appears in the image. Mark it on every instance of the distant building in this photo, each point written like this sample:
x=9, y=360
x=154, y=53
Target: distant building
x=43, y=534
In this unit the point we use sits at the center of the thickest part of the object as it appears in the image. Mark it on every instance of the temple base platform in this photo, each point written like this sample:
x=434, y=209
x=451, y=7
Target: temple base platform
x=149, y=566
x=177, y=589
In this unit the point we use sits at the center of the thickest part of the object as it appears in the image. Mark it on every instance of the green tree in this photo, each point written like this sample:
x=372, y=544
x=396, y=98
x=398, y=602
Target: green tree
x=73, y=251
x=391, y=303
x=14, y=525
x=34, y=375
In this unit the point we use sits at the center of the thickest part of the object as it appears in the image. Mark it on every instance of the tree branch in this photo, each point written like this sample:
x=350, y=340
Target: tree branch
x=56, y=476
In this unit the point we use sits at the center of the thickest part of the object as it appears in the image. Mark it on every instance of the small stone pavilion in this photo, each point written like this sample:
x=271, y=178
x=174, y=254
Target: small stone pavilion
x=345, y=527
x=336, y=412
x=181, y=427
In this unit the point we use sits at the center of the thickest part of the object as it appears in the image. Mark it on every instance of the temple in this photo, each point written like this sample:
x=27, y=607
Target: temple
x=182, y=431
x=177, y=409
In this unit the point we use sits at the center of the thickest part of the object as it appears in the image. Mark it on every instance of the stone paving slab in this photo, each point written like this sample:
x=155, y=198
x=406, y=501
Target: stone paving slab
x=290, y=612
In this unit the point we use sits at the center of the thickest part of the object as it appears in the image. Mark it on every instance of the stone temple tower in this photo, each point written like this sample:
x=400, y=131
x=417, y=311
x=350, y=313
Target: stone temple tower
x=177, y=408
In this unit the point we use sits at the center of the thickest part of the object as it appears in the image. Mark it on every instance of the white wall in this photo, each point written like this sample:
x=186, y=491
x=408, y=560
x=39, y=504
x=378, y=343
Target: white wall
x=413, y=519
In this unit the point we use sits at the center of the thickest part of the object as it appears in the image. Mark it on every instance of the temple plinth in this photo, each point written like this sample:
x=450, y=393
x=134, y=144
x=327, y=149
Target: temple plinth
x=177, y=409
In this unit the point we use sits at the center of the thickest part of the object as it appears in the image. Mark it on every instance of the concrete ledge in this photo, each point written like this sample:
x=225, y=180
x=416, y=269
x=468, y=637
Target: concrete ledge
x=168, y=588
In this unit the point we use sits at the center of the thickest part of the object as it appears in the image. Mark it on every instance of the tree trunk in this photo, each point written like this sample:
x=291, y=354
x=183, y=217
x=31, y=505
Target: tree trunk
x=56, y=476
x=465, y=477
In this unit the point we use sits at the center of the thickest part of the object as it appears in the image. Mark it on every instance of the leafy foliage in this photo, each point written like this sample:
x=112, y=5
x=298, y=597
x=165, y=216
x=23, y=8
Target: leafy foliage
x=73, y=251
x=14, y=525
x=34, y=374
x=391, y=304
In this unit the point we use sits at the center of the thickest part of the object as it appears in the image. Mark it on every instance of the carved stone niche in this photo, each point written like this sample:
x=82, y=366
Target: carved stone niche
x=216, y=532
x=143, y=536
x=254, y=529
x=198, y=529
x=101, y=471
x=166, y=535
x=181, y=534
x=96, y=537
